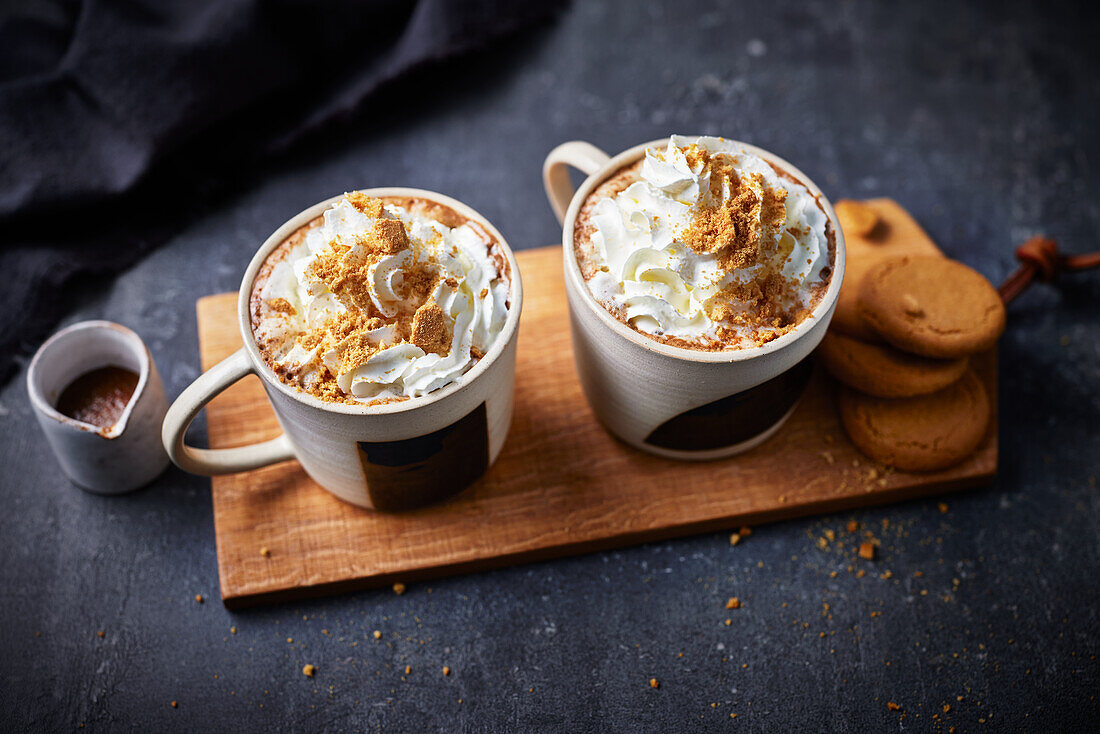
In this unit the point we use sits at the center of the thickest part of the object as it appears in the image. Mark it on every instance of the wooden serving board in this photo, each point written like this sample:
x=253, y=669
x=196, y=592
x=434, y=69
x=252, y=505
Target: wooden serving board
x=561, y=486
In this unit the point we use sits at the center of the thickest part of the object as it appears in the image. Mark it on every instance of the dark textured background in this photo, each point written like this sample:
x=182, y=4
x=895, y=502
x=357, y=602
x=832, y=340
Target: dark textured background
x=981, y=120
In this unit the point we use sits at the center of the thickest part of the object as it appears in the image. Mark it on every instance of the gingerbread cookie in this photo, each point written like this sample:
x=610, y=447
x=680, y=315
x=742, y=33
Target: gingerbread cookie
x=846, y=318
x=931, y=306
x=924, y=433
x=886, y=372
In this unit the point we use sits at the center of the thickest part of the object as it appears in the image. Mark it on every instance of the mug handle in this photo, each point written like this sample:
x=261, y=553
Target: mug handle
x=212, y=462
x=585, y=157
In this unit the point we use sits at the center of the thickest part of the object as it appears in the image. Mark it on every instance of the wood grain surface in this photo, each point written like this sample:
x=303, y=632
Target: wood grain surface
x=562, y=485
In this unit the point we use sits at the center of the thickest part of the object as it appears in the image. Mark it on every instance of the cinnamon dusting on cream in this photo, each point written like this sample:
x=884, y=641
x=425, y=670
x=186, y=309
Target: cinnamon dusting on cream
x=381, y=290
x=739, y=214
x=762, y=280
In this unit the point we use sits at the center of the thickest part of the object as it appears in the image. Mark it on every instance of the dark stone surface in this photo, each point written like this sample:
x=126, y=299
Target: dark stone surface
x=980, y=119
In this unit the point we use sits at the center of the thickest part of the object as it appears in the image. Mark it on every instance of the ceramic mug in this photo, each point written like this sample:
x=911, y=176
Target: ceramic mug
x=110, y=460
x=391, y=457
x=672, y=401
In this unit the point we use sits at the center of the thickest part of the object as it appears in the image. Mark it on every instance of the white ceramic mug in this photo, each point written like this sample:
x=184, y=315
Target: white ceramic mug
x=672, y=401
x=110, y=460
x=392, y=457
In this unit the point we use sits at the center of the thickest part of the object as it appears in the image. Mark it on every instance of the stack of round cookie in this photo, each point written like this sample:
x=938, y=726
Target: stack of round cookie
x=901, y=349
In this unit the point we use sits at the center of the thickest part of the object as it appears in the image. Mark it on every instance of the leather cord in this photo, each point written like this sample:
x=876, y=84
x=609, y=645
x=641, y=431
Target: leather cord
x=1039, y=258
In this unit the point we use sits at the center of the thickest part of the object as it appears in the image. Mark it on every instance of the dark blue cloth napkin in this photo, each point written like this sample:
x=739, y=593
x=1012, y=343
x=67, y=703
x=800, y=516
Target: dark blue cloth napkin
x=103, y=102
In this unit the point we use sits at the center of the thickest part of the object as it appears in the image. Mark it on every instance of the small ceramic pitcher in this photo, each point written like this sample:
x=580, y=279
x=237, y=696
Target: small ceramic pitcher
x=118, y=458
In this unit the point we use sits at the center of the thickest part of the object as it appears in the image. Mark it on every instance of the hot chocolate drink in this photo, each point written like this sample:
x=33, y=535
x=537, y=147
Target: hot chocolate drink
x=703, y=245
x=380, y=300
x=98, y=397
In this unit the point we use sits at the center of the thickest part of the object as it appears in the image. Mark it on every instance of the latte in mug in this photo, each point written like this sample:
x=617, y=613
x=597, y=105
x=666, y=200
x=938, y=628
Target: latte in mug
x=700, y=274
x=701, y=244
x=380, y=300
x=382, y=325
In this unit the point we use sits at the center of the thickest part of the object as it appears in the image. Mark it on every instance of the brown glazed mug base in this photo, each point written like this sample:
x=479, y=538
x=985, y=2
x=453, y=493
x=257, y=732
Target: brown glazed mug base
x=416, y=472
x=735, y=419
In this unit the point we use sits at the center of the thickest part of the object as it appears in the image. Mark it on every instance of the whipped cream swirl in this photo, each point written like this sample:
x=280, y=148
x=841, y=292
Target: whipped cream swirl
x=646, y=271
x=366, y=335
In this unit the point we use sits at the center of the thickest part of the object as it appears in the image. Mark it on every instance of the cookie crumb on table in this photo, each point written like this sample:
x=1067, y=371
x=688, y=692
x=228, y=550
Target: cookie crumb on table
x=867, y=550
x=733, y=603
x=399, y=588
x=198, y=598
x=308, y=671
x=654, y=683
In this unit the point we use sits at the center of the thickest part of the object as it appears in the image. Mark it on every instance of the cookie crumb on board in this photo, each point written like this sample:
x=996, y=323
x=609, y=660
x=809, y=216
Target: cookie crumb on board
x=198, y=598
x=867, y=550
x=399, y=588
x=856, y=218
x=308, y=670
x=654, y=683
